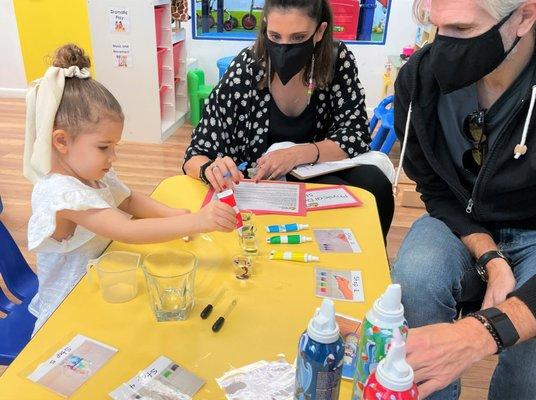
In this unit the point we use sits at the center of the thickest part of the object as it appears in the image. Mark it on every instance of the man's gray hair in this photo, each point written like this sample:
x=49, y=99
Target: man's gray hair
x=498, y=9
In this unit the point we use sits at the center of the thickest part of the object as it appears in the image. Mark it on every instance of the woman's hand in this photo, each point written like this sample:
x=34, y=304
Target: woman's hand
x=222, y=173
x=500, y=283
x=277, y=163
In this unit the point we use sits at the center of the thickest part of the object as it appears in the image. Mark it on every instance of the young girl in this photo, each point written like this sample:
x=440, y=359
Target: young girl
x=79, y=205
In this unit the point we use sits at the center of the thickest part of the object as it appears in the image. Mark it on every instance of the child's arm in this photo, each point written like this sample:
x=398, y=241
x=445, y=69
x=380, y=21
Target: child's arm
x=113, y=224
x=142, y=206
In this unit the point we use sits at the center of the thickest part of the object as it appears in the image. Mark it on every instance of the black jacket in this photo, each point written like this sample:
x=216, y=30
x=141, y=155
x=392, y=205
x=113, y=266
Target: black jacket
x=504, y=194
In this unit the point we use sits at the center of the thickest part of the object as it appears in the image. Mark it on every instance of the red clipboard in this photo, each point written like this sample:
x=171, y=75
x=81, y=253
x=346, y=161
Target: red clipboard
x=302, y=210
x=354, y=201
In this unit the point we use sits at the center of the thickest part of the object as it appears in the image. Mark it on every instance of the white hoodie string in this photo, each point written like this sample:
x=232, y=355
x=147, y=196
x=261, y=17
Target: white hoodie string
x=521, y=148
x=403, y=151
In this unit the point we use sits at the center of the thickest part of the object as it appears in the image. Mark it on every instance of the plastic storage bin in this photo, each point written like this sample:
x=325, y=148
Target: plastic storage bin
x=177, y=57
x=345, y=19
x=158, y=14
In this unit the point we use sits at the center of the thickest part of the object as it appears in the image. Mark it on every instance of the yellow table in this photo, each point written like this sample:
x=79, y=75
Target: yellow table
x=273, y=309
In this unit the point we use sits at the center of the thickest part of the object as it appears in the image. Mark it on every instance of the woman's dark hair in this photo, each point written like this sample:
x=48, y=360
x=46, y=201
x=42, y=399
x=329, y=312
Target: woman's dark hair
x=318, y=10
x=85, y=102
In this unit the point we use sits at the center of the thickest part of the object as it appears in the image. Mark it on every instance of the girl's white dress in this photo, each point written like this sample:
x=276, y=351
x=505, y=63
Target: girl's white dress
x=60, y=265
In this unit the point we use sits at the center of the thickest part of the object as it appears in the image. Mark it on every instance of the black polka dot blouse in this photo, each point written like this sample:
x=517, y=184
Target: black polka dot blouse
x=235, y=120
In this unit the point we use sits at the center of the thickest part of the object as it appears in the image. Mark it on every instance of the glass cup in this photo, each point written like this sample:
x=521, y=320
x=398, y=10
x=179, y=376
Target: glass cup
x=116, y=273
x=243, y=266
x=247, y=217
x=170, y=281
x=248, y=241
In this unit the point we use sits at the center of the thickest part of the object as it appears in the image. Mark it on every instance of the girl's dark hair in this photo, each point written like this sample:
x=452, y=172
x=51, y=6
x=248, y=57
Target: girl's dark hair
x=85, y=101
x=318, y=10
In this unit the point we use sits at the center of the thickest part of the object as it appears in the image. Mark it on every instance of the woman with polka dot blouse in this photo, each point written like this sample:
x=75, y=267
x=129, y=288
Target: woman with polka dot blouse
x=294, y=84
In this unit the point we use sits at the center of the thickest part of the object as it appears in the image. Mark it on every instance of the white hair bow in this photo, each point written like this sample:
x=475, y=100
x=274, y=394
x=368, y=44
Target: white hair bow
x=42, y=102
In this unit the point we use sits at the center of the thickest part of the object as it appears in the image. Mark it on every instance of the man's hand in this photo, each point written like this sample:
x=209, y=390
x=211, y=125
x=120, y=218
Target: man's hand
x=440, y=353
x=501, y=282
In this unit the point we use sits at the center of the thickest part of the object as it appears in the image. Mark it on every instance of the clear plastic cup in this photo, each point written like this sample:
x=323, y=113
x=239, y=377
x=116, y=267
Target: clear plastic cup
x=116, y=273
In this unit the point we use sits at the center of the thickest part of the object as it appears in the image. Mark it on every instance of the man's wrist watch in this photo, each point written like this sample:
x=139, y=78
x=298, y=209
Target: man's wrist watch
x=202, y=170
x=499, y=326
x=484, y=259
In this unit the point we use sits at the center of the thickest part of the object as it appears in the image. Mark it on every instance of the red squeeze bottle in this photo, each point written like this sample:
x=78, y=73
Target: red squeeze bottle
x=228, y=198
x=393, y=378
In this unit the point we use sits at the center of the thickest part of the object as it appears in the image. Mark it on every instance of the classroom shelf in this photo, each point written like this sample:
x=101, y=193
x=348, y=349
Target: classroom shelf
x=137, y=86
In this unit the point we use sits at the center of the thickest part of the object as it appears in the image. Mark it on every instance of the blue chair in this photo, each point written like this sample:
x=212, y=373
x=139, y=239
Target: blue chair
x=385, y=138
x=223, y=64
x=15, y=333
x=17, y=274
x=16, y=328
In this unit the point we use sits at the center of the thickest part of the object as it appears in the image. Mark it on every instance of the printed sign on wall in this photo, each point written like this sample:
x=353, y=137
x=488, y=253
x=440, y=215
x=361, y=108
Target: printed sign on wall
x=122, y=55
x=119, y=20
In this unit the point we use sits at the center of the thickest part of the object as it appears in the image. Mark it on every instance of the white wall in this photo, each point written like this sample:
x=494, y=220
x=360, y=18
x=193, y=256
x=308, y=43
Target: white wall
x=12, y=76
x=371, y=59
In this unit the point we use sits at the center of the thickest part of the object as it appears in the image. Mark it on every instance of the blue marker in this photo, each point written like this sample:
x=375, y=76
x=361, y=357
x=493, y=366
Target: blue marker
x=241, y=167
x=286, y=228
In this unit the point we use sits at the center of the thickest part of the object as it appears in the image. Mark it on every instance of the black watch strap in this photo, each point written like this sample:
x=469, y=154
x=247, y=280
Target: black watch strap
x=202, y=170
x=502, y=326
x=484, y=259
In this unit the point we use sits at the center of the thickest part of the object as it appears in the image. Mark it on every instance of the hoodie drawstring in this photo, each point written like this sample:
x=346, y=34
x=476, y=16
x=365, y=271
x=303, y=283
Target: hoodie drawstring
x=403, y=151
x=521, y=148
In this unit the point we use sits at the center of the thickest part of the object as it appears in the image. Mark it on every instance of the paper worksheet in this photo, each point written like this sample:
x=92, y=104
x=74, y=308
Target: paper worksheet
x=339, y=284
x=162, y=380
x=268, y=197
x=336, y=240
x=72, y=365
x=329, y=197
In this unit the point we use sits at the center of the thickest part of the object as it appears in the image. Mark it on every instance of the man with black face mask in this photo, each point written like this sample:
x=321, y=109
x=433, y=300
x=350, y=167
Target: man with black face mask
x=464, y=110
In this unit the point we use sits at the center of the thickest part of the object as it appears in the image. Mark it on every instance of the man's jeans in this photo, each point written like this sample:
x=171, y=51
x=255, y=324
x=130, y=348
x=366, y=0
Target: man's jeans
x=437, y=272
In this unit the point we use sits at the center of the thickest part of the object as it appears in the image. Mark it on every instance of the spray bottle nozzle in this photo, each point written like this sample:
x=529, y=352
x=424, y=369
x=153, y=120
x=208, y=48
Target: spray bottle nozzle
x=394, y=372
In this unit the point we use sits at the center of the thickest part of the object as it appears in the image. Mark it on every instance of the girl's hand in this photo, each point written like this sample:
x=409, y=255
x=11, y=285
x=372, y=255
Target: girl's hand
x=181, y=211
x=222, y=173
x=216, y=216
x=276, y=164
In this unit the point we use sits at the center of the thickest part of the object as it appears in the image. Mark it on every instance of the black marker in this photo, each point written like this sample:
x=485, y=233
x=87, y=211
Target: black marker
x=220, y=321
x=208, y=309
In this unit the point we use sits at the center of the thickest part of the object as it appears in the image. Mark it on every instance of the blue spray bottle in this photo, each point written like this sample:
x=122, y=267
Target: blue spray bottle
x=320, y=357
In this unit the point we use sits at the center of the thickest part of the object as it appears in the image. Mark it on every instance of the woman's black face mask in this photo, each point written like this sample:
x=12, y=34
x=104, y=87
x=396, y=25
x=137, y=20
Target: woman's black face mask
x=289, y=59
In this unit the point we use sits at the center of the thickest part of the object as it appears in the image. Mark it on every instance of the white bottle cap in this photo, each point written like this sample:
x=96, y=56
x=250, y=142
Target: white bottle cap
x=388, y=308
x=303, y=226
x=393, y=372
x=311, y=258
x=305, y=239
x=322, y=327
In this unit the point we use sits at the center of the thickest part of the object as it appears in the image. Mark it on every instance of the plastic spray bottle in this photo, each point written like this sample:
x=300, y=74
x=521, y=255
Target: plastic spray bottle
x=320, y=357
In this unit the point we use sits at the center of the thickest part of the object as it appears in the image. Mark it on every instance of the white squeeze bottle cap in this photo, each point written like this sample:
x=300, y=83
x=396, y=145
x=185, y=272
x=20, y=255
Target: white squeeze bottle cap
x=393, y=372
x=322, y=327
x=388, y=311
